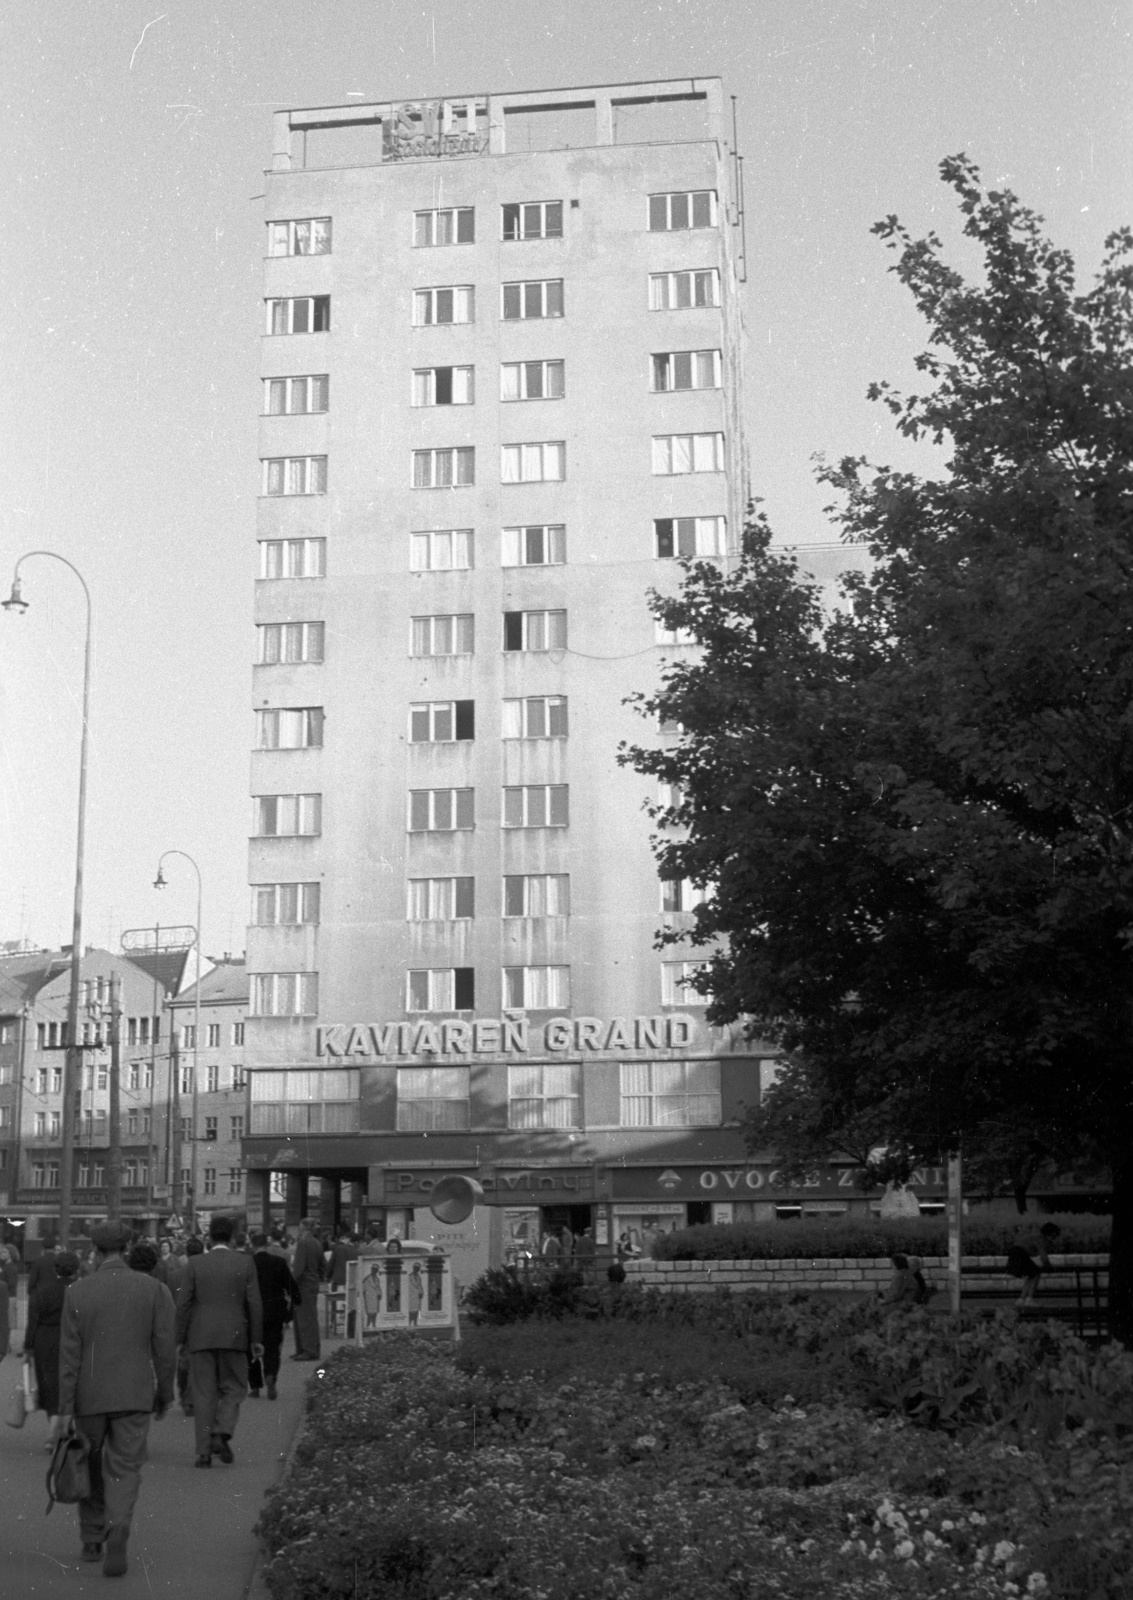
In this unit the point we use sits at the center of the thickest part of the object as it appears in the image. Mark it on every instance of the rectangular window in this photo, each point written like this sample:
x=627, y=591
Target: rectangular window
x=536, y=988
x=669, y=213
x=290, y=475
x=278, y=816
x=442, y=636
x=188, y=1036
x=441, y=550
x=292, y=397
x=297, y=1102
x=543, y=545
x=212, y=1083
x=237, y=1034
x=309, y=237
x=41, y=1077
x=533, y=463
x=210, y=1180
x=681, y=894
x=432, y=1099
x=235, y=1180
x=685, y=369
x=294, y=728
x=537, y=805
x=441, y=989
x=533, y=301
x=293, y=558
x=441, y=810
x=689, y=536
x=542, y=716
x=441, y=899
x=666, y=635
x=41, y=1125
x=455, y=225
x=444, y=469
x=439, y=307
x=237, y=1129
x=544, y=1097
x=213, y=1040
x=444, y=386
x=538, y=219
x=675, y=990
x=679, y=291
x=535, y=630
x=670, y=1094
x=442, y=721
x=304, y=314
x=289, y=642
x=285, y=905
x=675, y=453
x=239, y=1075
x=285, y=994
x=532, y=380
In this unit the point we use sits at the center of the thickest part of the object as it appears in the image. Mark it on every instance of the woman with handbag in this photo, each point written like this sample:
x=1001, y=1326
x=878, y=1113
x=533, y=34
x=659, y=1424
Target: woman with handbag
x=41, y=1339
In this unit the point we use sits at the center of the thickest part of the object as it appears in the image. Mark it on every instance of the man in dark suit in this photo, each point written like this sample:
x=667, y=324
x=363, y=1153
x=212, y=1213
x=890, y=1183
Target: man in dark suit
x=219, y=1318
x=280, y=1295
x=307, y=1269
x=116, y=1337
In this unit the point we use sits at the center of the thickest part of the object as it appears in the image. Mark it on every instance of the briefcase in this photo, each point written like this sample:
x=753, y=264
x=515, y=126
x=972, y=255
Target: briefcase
x=68, y=1476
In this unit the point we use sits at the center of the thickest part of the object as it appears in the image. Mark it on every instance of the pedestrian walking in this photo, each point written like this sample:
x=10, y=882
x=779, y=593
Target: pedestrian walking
x=280, y=1295
x=307, y=1269
x=116, y=1367
x=170, y=1268
x=41, y=1336
x=219, y=1321
x=193, y=1247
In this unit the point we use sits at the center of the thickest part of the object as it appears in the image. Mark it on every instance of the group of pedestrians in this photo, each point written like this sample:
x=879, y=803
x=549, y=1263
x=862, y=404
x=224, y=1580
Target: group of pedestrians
x=112, y=1344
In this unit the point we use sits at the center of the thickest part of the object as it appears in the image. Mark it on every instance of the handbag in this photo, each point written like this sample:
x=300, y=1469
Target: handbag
x=68, y=1476
x=255, y=1373
x=17, y=1412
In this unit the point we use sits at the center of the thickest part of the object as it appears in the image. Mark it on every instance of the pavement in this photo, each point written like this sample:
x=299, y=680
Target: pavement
x=192, y=1537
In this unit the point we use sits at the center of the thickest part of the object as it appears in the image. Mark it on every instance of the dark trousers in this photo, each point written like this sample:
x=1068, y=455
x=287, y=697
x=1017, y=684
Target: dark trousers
x=307, y=1320
x=117, y=1453
x=218, y=1383
x=273, y=1341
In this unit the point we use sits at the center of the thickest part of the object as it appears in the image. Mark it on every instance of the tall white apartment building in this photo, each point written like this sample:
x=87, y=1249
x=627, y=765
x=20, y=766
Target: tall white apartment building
x=501, y=368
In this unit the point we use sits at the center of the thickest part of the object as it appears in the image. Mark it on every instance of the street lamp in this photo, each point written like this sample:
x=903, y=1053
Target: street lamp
x=159, y=883
x=72, y=1060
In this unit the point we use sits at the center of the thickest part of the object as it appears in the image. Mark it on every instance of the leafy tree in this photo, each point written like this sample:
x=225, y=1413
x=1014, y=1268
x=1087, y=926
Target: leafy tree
x=916, y=812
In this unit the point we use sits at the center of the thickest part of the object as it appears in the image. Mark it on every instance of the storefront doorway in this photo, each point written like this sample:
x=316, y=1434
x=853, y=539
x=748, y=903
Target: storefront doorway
x=554, y=1219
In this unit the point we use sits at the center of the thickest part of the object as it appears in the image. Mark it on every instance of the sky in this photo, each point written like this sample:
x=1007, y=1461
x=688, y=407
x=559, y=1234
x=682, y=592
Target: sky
x=135, y=137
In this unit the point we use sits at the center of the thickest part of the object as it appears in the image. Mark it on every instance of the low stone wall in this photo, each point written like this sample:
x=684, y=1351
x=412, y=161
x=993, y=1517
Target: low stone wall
x=865, y=1276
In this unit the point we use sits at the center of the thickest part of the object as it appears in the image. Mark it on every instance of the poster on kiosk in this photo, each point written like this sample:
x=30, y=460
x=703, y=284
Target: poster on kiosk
x=413, y=1289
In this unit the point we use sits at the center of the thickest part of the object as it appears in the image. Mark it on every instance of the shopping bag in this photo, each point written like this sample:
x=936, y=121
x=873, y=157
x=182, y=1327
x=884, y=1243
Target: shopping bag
x=68, y=1476
x=17, y=1412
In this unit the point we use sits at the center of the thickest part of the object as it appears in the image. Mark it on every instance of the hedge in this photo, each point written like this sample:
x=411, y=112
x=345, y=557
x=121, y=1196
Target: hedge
x=850, y=1238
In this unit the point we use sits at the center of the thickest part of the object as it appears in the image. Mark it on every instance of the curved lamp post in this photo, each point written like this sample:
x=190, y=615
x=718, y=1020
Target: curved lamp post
x=72, y=1060
x=159, y=883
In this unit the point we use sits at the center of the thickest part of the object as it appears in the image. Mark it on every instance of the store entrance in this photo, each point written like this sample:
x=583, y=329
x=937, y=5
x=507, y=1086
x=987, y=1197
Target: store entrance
x=554, y=1219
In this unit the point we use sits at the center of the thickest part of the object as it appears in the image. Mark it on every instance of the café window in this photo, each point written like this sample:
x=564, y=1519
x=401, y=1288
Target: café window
x=301, y=1102
x=670, y=1094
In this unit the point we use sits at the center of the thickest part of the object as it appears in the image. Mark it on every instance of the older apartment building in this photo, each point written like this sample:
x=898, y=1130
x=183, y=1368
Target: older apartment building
x=501, y=364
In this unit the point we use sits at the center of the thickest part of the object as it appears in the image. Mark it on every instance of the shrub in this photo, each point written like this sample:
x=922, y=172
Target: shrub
x=853, y=1238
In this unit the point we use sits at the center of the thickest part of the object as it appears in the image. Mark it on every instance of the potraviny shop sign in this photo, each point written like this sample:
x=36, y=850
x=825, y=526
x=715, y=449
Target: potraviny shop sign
x=507, y=1036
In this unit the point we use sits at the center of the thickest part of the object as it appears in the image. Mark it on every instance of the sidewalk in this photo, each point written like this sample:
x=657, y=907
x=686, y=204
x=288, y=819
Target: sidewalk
x=192, y=1536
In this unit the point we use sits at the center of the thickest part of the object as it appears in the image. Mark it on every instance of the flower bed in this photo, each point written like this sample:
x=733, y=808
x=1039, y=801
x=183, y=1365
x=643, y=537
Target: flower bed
x=599, y=1471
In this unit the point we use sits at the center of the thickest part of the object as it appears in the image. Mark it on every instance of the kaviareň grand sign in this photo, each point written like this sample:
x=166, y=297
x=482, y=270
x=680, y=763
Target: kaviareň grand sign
x=507, y=1036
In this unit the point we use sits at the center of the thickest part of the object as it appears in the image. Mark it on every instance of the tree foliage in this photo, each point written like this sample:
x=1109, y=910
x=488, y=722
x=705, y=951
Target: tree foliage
x=916, y=812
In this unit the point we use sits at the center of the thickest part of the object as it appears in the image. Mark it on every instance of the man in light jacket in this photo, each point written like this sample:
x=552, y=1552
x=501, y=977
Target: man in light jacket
x=116, y=1338
x=219, y=1319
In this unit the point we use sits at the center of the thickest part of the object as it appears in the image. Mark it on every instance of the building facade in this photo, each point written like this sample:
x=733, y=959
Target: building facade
x=502, y=366
x=34, y=994
x=208, y=1066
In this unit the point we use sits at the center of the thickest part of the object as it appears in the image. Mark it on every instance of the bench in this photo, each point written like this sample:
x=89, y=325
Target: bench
x=1066, y=1293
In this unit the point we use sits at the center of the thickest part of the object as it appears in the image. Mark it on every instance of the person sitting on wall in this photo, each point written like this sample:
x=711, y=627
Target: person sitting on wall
x=903, y=1289
x=1021, y=1264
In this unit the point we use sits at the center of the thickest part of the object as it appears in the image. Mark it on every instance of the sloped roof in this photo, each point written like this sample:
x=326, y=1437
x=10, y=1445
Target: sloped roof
x=227, y=982
x=23, y=976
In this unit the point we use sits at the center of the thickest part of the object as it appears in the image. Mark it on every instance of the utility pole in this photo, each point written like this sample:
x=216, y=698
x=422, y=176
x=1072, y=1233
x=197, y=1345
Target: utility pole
x=114, y=1153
